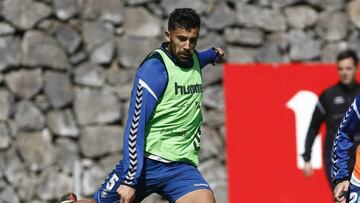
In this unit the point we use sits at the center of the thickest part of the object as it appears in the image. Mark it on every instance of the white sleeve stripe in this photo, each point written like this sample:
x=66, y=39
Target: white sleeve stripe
x=356, y=109
x=321, y=108
x=142, y=83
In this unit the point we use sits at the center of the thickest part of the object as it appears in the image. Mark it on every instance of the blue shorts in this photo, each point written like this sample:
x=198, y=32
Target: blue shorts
x=170, y=180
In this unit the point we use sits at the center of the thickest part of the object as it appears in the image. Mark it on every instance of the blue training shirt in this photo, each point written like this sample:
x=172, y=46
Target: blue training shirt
x=344, y=140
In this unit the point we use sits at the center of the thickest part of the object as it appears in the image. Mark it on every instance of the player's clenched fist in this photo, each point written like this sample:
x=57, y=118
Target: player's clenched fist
x=340, y=191
x=126, y=193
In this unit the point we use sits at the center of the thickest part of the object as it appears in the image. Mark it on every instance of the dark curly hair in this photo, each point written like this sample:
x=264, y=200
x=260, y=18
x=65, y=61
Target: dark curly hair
x=184, y=18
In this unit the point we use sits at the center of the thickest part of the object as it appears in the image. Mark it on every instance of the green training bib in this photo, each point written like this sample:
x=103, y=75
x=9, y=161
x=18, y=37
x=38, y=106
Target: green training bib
x=173, y=132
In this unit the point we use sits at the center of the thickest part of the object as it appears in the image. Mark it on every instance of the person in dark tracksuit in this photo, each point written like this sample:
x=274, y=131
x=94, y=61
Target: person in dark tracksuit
x=331, y=107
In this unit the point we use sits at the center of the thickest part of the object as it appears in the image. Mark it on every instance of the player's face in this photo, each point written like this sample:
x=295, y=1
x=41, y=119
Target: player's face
x=347, y=70
x=182, y=43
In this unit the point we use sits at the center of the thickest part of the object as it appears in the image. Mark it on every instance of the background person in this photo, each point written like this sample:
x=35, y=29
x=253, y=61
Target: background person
x=331, y=107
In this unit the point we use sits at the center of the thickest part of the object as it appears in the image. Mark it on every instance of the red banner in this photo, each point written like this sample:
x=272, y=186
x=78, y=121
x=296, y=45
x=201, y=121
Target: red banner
x=268, y=110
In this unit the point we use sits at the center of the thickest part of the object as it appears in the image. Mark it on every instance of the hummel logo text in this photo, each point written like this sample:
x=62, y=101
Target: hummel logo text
x=188, y=89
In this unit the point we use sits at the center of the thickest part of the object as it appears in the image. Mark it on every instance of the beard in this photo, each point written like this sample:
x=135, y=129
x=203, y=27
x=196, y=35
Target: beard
x=182, y=57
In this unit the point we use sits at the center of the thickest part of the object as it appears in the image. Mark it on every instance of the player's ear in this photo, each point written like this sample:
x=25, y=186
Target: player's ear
x=167, y=36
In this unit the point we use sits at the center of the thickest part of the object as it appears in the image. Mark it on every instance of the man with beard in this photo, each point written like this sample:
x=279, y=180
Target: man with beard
x=162, y=135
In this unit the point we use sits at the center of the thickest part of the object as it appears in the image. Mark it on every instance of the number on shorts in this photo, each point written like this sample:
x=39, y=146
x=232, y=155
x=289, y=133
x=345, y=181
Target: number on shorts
x=112, y=181
x=353, y=197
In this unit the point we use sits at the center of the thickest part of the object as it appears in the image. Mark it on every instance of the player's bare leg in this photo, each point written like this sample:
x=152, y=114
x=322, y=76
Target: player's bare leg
x=197, y=196
x=85, y=201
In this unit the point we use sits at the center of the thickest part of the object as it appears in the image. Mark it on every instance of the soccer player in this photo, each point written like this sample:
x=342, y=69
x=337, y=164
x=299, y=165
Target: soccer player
x=162, y=134
x=340, y=155
x=330, y=109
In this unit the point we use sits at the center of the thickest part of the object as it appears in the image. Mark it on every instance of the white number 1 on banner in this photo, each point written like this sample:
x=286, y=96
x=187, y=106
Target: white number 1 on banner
x=303, y=104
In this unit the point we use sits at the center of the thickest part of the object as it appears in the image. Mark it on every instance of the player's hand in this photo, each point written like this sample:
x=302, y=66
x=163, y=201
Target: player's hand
x=308, y=170
x=340, y=191
x=127, y=194
x=220, y=55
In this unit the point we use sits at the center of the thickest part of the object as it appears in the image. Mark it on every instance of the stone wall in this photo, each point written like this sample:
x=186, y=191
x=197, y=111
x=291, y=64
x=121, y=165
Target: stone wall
x=66, y=71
